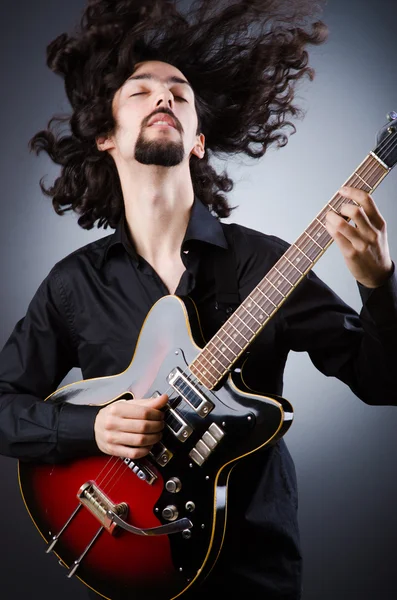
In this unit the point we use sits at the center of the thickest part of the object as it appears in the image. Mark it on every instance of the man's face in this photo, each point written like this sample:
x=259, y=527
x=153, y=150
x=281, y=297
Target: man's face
x=156, y=119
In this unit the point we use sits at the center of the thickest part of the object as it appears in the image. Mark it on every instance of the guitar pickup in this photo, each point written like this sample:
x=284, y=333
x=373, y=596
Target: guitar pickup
x=177, y=425
x=189, y=392
x=161, y=454
x=174, y=421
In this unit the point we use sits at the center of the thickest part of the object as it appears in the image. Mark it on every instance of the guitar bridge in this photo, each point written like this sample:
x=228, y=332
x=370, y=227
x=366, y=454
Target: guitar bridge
x=90, y=496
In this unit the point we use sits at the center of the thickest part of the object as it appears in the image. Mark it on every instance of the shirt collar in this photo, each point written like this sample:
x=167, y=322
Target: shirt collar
x=202, y=226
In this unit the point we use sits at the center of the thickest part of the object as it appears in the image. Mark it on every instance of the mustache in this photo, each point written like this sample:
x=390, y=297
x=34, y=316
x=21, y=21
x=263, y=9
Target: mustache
x=163, y=111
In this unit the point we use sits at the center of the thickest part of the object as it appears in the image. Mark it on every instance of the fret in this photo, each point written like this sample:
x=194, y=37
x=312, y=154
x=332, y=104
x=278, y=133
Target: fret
x=292, y=275
x=233, y=339
x=205, y=368
x=216, y=356
x=263, y=294
x=280, y=286
x=277, y=290
x=235, y=346
x=259, y=306
x=250, y=314
x=332, y=208
x=252, y=331
x=199, y=374
x=301, y=251
x=320, y=235
x=248, y=302
x=214, y=360
x=292, y=265
x=267, y=309
x=249, y=330
x=321, y=223
x=313, y=240
x=309, y=248
x=322, y=215
x=364, y=182
x=224, y=347
x=238, y=331
x=282, y=275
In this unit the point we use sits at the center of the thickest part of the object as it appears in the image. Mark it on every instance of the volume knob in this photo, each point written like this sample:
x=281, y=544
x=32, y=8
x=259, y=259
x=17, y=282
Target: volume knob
x=170, y=513
x=173, y=485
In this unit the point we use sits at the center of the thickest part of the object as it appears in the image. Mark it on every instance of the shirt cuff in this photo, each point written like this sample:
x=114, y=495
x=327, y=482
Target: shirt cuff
x=76, y=437
x=381, y=303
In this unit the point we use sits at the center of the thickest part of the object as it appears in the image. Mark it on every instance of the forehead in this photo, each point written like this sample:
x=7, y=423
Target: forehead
x=159, y=68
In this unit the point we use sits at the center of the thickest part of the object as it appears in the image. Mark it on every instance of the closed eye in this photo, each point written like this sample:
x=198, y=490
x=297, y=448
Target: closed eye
x=176, y=97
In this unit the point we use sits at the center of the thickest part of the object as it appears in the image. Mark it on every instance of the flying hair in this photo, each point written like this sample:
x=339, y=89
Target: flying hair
x=243, y=60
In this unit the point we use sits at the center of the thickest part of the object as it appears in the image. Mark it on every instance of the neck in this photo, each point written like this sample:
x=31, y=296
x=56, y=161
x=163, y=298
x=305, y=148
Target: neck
x=158, y=202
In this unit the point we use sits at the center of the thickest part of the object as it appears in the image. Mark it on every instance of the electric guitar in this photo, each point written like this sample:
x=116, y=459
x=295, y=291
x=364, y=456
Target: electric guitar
x=151, y=529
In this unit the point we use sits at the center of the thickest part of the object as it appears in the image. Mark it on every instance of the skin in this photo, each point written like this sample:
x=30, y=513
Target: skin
x=364, y=243
x=158, y=202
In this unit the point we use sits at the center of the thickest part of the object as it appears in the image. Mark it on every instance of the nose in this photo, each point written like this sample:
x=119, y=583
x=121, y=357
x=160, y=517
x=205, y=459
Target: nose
x=165, y=98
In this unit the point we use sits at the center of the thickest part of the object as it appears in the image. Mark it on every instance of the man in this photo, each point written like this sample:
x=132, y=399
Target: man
x=89, y=310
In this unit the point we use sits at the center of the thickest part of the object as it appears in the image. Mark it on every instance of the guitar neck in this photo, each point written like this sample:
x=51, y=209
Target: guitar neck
x=234, y=337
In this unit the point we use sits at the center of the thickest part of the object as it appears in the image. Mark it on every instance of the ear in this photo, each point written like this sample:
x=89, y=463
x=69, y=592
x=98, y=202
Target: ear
x=199, y=147
x=104, y=143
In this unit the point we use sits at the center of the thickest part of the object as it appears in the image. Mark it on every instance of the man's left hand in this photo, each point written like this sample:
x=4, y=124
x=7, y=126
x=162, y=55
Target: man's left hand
x=364, y=243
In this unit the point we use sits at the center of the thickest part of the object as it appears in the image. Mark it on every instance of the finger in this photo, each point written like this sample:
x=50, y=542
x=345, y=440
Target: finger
x=140, y=426
x=344, y=244
x=348, y=237
x=133, y=440
x=156, y=403
x=361, y=220
x=147, y=409
x=366, y=201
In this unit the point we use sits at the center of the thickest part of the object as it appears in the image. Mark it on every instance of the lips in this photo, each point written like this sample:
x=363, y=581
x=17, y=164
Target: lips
x=162, y=117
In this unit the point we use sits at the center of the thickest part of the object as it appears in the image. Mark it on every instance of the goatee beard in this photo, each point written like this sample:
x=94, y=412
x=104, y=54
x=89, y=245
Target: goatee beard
x=161, y=153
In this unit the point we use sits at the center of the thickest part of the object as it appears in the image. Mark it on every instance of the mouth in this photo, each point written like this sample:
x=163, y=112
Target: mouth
x=162, y=121
x=162, y=125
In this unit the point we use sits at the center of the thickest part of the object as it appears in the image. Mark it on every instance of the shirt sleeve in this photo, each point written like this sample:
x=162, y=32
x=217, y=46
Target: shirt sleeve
x=359, y=349
x=38, y=354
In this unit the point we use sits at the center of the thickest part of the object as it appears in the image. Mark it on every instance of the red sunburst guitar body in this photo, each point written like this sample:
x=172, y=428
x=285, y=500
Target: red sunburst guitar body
x=176, y=497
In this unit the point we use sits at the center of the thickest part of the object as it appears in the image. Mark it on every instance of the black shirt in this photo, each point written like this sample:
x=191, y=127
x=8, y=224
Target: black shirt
x=88, y=313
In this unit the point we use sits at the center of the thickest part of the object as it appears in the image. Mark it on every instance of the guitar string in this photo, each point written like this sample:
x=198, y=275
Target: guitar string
x=369, y=170
x=387, y=142
x=367, y=173
x=118, y=461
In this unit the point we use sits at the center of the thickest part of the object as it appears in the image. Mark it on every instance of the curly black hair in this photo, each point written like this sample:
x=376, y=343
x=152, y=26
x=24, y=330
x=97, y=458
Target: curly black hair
x=243, y=60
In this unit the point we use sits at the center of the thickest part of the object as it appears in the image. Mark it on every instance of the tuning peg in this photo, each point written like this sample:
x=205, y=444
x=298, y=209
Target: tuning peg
x=392, y=116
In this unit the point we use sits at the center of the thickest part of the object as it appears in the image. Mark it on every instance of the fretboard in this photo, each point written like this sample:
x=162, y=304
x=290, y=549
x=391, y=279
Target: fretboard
x=232, y=339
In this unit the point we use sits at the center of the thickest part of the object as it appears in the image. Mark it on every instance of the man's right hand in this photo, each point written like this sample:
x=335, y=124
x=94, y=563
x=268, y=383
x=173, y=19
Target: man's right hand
x=129, y=428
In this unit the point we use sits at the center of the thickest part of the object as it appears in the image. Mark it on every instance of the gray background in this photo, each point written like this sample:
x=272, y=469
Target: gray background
x=344, y=451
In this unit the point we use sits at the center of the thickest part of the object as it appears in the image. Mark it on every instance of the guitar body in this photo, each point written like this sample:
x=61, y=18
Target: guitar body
x=164, y=487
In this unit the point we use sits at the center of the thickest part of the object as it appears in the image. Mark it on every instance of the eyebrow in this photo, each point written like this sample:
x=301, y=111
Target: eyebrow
x=172, y=79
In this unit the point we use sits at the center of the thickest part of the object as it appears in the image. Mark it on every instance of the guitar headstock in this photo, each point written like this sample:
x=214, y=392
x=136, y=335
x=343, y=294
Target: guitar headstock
x=387, y=142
